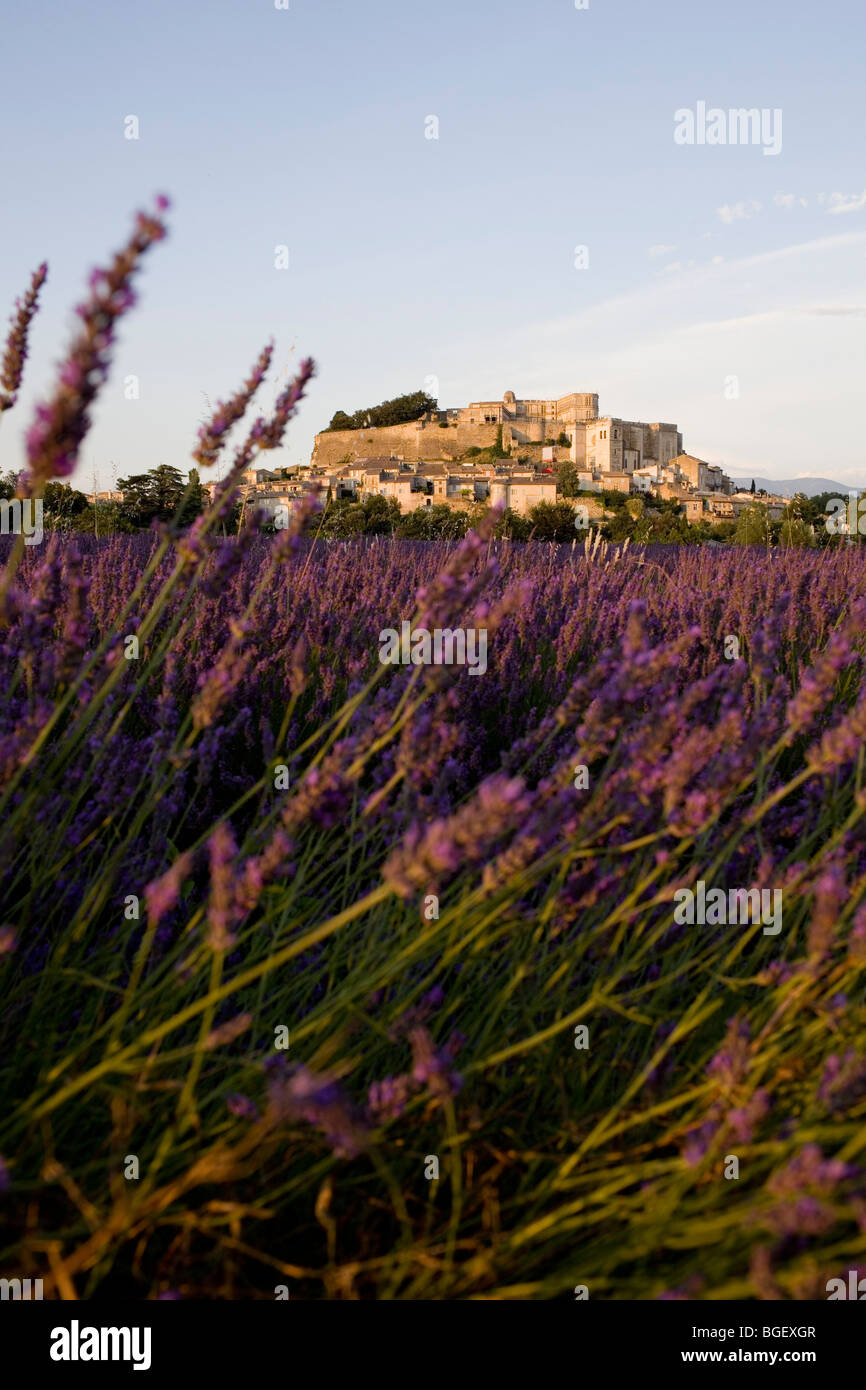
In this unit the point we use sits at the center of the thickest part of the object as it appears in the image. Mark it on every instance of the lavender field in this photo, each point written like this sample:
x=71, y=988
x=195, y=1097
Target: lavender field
x=338, y=979
x=168, y=909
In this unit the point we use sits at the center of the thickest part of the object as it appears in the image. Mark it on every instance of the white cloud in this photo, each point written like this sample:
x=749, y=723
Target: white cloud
x=660, y=250
x=847, y=202
x=788, y=201
x=837, y=310
x=717, y=325
x=738, y=212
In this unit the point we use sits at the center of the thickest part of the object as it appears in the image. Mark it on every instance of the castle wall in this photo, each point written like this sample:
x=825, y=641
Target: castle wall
x=415, y=442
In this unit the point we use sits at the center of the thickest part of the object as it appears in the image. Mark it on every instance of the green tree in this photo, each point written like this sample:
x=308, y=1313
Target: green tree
x=796, y=528
x=381, y=515
x=796, y=532
x=8, y=485
x=567, y=481
x=553, y=521
x=341, y=421
x=753, y=526
x=398, y=411
x=664, y=526
x=160, y=495
x=439, y=522
x=61, y=503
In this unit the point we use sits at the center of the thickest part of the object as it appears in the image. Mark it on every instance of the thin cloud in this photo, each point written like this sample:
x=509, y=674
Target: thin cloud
x=738, y=212
x=857, y=311
x=847, y=202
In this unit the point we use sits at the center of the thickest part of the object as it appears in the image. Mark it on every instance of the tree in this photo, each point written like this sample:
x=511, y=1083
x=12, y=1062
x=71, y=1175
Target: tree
x=796, y=532
x=553, y=521
x=381, y=515
x=440, y=522
x=398, y=411
x=61, y=503
x=193, y=501
x=341, y=421
x=664, y=526
x=567, y=481
x=343, y=520
x=753, y=526
x=106, y=521
x=796, y=528
x=752, y=488
x=8, y=485
x=563, y=441
x=513, y=526
x=161, y=495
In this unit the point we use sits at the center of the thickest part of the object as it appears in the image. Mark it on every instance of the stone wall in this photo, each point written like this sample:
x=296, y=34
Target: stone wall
x=416, y=441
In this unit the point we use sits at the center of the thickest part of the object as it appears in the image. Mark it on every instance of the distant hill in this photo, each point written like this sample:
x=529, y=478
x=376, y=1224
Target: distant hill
x=786, y=487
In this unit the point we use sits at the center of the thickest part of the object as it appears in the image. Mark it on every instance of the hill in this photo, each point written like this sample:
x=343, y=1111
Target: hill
x=786, y=487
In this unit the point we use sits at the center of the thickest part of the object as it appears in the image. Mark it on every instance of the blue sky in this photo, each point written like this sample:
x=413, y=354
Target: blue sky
x=452, y=258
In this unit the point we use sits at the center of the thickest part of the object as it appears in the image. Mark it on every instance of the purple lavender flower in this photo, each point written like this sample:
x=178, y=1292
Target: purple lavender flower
x=222, y=851
x=61, y=424
x=242, y=1106
x=319, y=1100
x=803, y=1187
x=163, y=893
x=15, y=354
x=269, y=434
x=211, y=436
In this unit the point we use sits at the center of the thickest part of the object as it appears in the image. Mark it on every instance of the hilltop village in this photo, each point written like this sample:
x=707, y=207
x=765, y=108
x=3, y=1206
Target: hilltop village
x=515, y=453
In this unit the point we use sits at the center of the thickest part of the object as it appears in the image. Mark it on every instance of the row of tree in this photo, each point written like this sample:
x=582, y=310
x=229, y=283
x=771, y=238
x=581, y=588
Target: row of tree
x=163, y=495
x=398, y=411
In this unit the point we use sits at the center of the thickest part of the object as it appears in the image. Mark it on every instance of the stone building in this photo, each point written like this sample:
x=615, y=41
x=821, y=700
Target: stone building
x=596, y=443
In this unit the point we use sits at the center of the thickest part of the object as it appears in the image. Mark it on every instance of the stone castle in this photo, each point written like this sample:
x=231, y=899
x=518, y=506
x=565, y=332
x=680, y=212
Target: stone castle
x=596, y=443
x=436, y=459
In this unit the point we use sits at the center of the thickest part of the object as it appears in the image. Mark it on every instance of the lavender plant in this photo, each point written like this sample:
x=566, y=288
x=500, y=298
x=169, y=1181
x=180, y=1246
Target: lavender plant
x=218, y=954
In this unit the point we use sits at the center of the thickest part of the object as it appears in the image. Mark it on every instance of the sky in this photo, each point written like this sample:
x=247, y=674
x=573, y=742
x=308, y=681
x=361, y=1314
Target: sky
x=474, y=197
